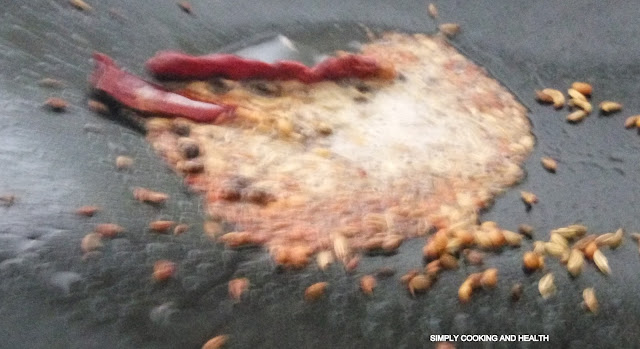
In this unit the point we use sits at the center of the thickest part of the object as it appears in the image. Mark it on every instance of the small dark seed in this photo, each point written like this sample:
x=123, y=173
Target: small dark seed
x=516, y=292
x=257, y=196
x=181, y=128
x=190, y=150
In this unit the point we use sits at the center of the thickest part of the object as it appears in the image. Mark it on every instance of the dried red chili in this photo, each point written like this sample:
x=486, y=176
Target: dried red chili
x=176, y=65
x=143, y=96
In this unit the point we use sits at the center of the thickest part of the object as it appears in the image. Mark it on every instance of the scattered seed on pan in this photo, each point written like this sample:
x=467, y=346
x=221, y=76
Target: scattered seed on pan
x=367, y=284
x=409, y=275
x=512, y=239
x=549, y=95
x=324, y=259
x=570, y=232
x=124, y=162
x=80, y=5
x=549, y=164
x=601, y=262
x=582, y=87
x=631, y=121
x=237, y=287
x=315, y=291
x=98, y=107
x=448, y=262
x=610, y=107
x=590, y=301
x=185, y=6
x=581, y=104
x=538, y=247
x=419, y=284
x=516, y=292
x=51, y=83
x=575, y=94
x=612, y=240
x=149, y=196
x=575, y=262
x=180, y=229
x=546, y=286
x=8, y=200
x=531, y=261
x=212, y=229
x=109, y=230
x=56, y=104
x=163, y=270
x=558, y=239
x=391, y=243
x=528, y=198
x=590, y=249
x=91, y=242
x=465, y=291
x=87, y=211
x=161, y=226
x=449, y=29
x=432, y=10
x=216, y=342
x=489, y=278
x=576, y=116
x=526, y=230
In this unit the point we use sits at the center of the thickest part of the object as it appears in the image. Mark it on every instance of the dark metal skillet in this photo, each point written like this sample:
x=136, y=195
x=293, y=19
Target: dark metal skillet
x=55, y=166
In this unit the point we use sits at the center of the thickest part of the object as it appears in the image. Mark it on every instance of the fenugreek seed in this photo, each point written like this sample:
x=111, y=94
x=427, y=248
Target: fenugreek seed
x=448, y=261
x=553, y=249
x=526, y=230
x=91, y=242
x=56, y=104
x=216, y=342
x=512, y=239
x=590, y=300
x=419, y=284
x=391, y=243
x=556, y=96
x=531, y=261
x=465, y=291
x=546, y=286
x=483, y=240
x=324, y=258
x=124, y=162
x=185, y=6
x=432, y=10
x=601, y=262
x=590, y=250
x=315, y=291
x=80, y=5
x=581, y=104
x=237, y=287
x=108, y=230
x=161, y=226
x=575, y=94
x=631, y=121
x=516, y=292
x=489, y=278
x=575, y=262
x=577, y=116
x=163, y=270
x=367, y=284
x=549, y=164
x=610, y=107
x=87, y=211
x=474, y=279
x=180, y=229
x=543, y=97
x=582, y=87
x=97, y=107
x=433, y=268
x=559, y=239
x=449, y=29
x=528, y=198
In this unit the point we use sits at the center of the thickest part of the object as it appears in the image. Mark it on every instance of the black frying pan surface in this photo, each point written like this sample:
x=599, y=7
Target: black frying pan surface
x=53, y=163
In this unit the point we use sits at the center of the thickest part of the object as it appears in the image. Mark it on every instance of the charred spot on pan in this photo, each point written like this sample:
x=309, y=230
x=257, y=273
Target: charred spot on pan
x=265, y=88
